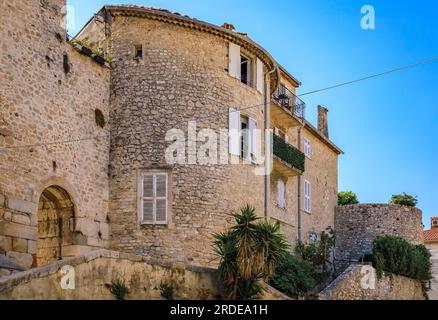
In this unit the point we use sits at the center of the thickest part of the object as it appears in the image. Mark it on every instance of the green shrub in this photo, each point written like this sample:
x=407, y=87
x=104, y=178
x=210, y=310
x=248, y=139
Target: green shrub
x=118, y=288
x=294, y=277
x=319, y=252
x=346, y=198
x=397, y=256
x=404, y=200
x=167, y=291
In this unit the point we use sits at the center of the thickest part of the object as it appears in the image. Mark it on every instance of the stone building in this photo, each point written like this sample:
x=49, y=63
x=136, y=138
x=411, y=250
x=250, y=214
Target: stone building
x=357, y=226
x=431, y=242
x=84, y=146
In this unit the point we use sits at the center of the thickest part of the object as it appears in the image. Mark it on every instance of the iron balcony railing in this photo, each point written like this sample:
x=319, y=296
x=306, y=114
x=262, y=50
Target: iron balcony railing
x=289, y=101
x=288, y=153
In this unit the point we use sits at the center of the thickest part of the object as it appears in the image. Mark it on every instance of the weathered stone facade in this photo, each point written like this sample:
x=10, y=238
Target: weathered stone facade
x=94, y=271
x=359, y=282
x=357, y=226
x=48, y=97
x=60, y=196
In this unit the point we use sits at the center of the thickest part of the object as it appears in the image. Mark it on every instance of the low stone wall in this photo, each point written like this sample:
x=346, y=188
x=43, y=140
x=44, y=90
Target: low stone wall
x=94, y=271
x=356, y=283
x=433, y=293
x=357, y=226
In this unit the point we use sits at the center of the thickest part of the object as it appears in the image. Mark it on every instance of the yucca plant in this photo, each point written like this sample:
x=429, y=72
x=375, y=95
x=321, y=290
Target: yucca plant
x=248, y=253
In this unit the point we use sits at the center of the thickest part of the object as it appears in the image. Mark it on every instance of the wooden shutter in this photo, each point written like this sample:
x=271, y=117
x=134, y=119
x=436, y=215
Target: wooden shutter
x=254, y=137
x=281, y=194
x=260, y=76
x=161, y=199
x=234, y=61
x=234, y=132
x=307, y=196
x=148, y=199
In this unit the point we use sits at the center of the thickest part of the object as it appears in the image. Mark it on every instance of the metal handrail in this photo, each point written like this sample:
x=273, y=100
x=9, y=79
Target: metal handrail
x=284, y=97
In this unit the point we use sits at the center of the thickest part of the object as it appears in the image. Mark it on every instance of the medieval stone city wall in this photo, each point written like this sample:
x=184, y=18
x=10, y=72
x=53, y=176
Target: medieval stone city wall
x=352, y=285
x=183, y=76
x=49, y=93
x=357, y=226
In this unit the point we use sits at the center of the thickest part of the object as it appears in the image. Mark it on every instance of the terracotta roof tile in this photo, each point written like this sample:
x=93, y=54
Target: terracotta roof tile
x=431, y=235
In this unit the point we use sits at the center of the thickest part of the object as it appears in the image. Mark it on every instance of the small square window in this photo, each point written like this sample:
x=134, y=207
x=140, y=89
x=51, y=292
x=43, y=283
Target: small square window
x=138, y=51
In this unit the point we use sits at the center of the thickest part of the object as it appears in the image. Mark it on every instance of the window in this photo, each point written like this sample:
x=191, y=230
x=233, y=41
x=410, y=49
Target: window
x=153, y=199
x=138, y=51
x=244, y=142
x=307, y=196
x=307, y=148
x=245, y=70
x=281, y=188
x=244, y=137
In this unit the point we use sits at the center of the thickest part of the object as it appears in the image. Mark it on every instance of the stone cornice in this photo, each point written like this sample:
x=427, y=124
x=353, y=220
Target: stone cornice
x=184, y=21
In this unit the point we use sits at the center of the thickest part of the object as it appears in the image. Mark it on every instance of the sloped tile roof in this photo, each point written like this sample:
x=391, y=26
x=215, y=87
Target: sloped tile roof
x=431, y=235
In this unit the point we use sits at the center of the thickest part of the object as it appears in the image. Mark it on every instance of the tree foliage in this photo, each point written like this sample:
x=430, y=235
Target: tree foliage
x=404, y=200
x=347, y=198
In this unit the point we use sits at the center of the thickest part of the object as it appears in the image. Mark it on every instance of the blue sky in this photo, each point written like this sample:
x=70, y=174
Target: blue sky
x=388, y=126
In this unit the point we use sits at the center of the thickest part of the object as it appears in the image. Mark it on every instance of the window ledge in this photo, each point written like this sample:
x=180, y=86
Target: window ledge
x=245, y=85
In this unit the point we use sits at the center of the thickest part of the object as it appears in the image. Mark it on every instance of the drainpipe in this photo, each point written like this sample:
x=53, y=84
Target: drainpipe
x=299, y=189
x=267, y=149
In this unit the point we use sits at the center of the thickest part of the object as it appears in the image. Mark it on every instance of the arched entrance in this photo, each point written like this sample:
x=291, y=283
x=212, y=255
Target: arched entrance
x=55, y=224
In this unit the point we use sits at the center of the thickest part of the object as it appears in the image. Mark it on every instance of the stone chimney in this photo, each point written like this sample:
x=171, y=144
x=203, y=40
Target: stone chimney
x=323, y=121
x=434, y=223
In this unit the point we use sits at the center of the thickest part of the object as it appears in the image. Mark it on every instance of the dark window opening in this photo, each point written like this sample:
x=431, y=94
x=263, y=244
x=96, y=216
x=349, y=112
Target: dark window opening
x=245, y=75
x=138, y=53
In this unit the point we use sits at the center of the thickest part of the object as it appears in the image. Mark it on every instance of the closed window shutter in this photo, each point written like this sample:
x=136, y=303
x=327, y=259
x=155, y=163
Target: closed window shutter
x=234, y=132
x=281, y=194
x=260, y=76
x=148, y=199
x=161, y=199
x=234, y=61
x=307, y=196
x=254, y=138
x=154, y=199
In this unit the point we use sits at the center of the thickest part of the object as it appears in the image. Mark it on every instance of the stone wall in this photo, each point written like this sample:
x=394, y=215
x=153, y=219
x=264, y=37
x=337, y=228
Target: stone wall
x=182, y=76
x=433, y=293
x=350, y=286
x=95, y=270
x=357, y=226
x=48, y=96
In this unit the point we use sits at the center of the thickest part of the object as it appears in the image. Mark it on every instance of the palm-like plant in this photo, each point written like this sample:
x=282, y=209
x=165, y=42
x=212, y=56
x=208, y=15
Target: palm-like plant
x=248, y=253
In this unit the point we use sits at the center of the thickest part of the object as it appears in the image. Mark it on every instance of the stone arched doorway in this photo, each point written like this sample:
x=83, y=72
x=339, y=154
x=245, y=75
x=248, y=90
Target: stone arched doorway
x=56, y=215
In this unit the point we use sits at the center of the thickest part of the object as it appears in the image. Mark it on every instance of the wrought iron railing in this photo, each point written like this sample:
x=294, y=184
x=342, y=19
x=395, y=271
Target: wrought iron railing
x=290, y=102
x=289, y=153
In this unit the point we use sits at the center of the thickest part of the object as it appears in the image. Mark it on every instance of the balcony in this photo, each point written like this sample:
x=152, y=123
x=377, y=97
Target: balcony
x=287, y=108
x=288, y=160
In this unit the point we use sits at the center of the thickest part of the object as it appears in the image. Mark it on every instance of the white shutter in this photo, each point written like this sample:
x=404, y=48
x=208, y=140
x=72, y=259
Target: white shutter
x=307, y=196
x=154, y=199
x=234, y=132
x=286, y=138
x=161, y=199
x=148, y=199
x=234, y=66
x=260, y=76
x=277, y=132
x=253, y=138
x=281, y=194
